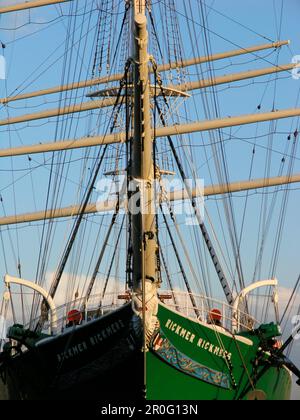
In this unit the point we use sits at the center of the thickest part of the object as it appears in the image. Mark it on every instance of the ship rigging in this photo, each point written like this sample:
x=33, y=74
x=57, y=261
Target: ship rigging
x=125, y=127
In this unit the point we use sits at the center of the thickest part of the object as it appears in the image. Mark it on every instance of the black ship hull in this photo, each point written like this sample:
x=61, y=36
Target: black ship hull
x=88, y=362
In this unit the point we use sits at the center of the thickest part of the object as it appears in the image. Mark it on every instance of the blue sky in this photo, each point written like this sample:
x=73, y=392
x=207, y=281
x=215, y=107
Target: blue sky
x=31, y=45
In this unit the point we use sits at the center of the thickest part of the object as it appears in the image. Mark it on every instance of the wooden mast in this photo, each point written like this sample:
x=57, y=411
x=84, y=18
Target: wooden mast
x=141, y=189
x=141, y=177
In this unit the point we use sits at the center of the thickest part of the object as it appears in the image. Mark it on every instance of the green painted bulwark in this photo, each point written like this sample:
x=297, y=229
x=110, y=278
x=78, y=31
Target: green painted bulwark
x=172, y=356
x=194, y=361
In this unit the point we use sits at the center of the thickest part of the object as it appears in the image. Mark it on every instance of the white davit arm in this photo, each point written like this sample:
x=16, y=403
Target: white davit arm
x=14, y=280
x=244, y=293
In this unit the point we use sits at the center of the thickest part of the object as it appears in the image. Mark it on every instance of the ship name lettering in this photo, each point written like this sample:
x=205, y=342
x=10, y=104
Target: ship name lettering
x=203, y=344
x=72, y=351
x=177, y=329
x=106, y=332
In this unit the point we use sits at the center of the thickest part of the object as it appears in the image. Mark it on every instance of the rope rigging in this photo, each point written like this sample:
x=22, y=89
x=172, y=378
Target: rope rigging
x=88, y=239
x=60, y=162
x=182, y=270
x=87, y=197
x=105, y=242
x=221, y=161
x=113, y=259
x=203, y=229
x=56, y=186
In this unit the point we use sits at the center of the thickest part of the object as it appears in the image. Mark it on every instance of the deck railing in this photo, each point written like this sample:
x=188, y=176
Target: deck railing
x=180, y=301
x=204, y=305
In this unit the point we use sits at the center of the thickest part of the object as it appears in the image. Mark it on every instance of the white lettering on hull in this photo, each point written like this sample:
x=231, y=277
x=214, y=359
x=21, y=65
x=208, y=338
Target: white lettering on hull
x=201, y=343
x=91, y=341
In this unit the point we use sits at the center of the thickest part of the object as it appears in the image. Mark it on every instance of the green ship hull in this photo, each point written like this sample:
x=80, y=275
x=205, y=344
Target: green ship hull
x=191, y=360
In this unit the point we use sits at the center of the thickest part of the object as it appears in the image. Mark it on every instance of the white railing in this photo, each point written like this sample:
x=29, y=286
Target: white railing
x=177, y=300
x=182, y=302
x=96, y=307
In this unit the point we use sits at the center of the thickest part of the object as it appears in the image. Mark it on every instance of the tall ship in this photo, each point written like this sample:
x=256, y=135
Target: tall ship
x=130, y=252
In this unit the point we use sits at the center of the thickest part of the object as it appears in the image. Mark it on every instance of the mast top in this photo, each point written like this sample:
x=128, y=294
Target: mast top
x=139, y=7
